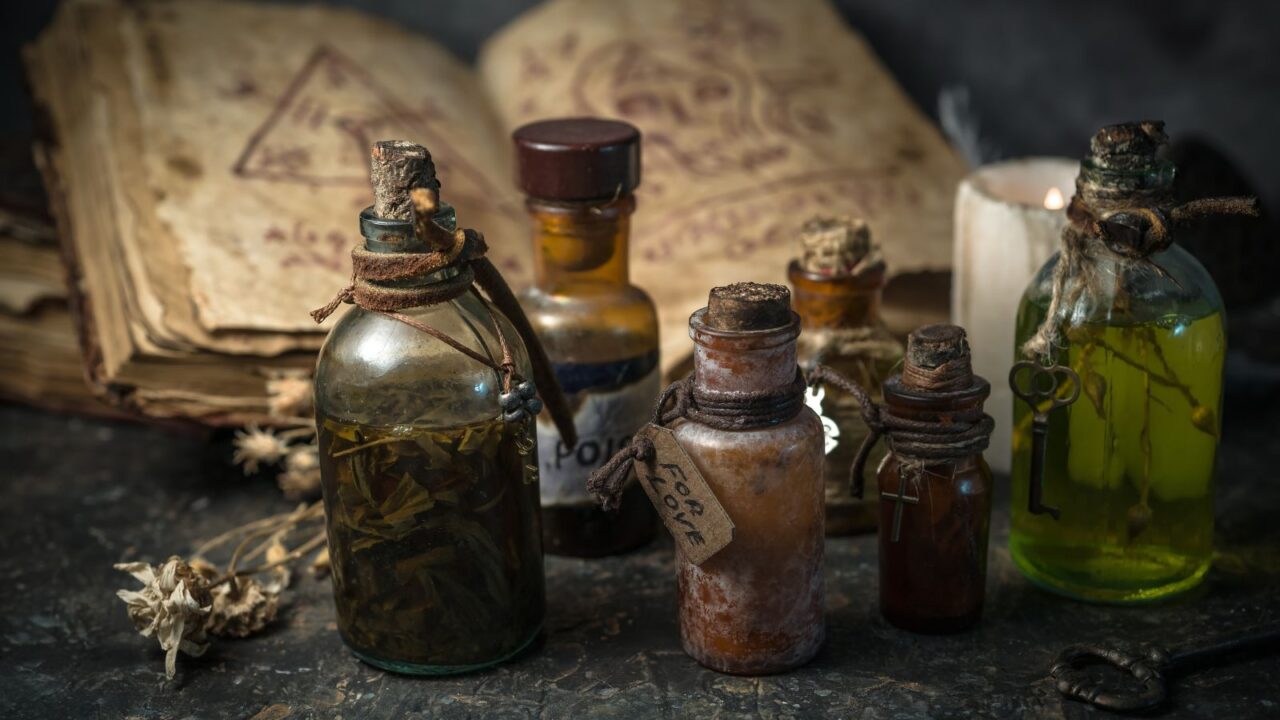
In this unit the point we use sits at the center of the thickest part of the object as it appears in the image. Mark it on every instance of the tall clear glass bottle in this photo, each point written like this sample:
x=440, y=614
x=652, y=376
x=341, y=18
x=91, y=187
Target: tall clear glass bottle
x=1129, y=466
x=837, y=284
x=431, y=498
x=756, y=606
x=600, y=331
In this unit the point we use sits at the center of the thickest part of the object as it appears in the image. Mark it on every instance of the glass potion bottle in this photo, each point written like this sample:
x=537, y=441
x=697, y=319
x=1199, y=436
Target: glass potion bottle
x=837, y=284
x=600, y=331
x=431, y=496
x=1113, y=493
x=756, y=606
x=935, y=505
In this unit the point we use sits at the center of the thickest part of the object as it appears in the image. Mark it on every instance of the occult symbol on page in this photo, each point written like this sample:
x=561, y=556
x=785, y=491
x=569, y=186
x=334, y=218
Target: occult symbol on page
x=813, y=396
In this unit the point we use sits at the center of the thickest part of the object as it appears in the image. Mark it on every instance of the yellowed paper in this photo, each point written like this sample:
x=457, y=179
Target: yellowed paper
x=755, y=115
x=259, y=121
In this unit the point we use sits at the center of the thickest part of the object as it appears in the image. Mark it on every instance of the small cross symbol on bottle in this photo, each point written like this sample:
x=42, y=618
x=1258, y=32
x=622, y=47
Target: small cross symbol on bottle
x=900, y=497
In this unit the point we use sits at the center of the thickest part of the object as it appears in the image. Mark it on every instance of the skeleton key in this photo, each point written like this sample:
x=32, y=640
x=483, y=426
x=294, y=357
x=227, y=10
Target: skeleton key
x=1150, y=670
x=1042, y=384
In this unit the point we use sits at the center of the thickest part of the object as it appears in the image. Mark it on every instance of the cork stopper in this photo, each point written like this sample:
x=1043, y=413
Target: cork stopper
x=837, y=246
x=395, y=168
x=575, y=159
x=937, y=359
x=748, y=306
x=1128, y=145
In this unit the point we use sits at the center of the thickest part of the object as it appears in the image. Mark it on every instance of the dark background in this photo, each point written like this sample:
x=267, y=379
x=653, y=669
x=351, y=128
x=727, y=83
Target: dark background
x=1041, y=76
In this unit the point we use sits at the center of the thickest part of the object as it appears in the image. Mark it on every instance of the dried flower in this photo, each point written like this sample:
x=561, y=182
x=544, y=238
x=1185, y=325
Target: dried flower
x=301, y=477
x=255, y=446
x=242, y=607
x=320, y=564
x=289, y=397
x=171, y=606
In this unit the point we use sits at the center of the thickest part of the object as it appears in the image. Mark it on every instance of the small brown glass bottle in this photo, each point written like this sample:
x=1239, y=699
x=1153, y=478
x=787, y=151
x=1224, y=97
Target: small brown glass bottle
x=600, y=331
x=756, y=606
x=837, y=284
x=935, y=490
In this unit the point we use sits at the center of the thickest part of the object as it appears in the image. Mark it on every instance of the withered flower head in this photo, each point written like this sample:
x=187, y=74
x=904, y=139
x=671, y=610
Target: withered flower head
x=289, y=397
x=241, y=608
x=255, y=446
x=301, y=476
x=171, y=606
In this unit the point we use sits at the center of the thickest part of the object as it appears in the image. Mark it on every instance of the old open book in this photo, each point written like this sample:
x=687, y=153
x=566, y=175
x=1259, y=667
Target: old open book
x=206, y=162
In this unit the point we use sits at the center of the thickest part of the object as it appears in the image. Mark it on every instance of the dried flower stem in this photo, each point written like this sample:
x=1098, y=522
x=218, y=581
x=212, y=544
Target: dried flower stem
x=306, y=547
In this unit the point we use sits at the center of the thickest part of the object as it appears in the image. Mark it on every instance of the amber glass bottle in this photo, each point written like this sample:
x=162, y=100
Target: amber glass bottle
x=935, y=514
x=756, y=606
x=600, y=331
x=837, y=284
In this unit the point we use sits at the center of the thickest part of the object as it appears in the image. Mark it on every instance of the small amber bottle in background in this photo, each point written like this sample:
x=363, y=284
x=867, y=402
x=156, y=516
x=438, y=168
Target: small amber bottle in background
x=756, y=606
x=837, y=285
x=600, y=331
x=935, y=496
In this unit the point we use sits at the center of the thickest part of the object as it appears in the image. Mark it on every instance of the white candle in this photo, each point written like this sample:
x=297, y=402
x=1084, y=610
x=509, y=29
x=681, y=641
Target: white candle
x=1009, y=219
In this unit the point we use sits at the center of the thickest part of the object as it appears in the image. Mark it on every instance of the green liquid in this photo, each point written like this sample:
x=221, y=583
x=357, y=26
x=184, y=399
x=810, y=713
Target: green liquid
x=1129, y=464
x=434, y=543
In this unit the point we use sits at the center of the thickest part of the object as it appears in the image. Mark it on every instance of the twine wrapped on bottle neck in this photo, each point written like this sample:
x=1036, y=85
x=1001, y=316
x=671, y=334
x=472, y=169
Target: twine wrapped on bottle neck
x=1130, y=222
x=959, y=434
x=465, y=267
x=683, y=399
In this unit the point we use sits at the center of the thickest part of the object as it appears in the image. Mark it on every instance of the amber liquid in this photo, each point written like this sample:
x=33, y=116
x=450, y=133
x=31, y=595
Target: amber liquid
x=840, y=316
x=589, y=316
x=434, y=542
x=1130, y=464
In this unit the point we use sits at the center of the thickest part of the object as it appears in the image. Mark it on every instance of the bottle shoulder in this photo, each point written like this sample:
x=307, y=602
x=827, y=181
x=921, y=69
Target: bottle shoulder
x=374, y=369
x=799, y=435
x=593, y=326
x=1115, y=290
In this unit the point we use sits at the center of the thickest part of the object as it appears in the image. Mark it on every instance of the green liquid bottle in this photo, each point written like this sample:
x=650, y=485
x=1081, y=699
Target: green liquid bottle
x=1129, y=465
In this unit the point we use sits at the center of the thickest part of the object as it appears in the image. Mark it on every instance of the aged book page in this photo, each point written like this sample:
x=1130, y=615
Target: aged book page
x=756, y=115
x=258, y=120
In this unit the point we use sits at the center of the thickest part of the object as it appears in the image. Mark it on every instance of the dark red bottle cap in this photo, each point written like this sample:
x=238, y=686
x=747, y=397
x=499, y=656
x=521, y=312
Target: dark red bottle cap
x=577, y=158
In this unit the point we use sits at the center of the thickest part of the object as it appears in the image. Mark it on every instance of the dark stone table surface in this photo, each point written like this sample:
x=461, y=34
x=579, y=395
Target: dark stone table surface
x=79, y=495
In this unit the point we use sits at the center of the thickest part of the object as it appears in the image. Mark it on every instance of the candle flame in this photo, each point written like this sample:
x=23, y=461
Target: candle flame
x=1053, y=199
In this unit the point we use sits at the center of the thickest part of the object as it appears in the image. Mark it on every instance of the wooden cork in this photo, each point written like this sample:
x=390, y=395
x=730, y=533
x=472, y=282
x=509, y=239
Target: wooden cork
x=937, y=359
x=748, y=306
x=395, y=168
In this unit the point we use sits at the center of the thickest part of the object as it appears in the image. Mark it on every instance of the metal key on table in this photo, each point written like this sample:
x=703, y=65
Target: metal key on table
x=1043, y=383
x=1150, y=670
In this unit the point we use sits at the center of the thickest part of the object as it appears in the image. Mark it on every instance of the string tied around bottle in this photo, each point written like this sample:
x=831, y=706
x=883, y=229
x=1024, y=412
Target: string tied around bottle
x=952, y=435
x=949, y=436
x=719, y=409
x=1122, y=207
x=461, y=262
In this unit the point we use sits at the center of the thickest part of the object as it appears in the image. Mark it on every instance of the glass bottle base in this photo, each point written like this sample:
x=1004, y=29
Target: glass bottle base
x=409, y=668
x=758, y=664
x=1109, y=574
x=589, y=531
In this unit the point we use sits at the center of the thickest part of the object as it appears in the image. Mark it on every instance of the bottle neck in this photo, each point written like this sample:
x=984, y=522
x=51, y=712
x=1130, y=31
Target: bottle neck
x=753, y=360
x=383, y=235
x=835, y=302
x=581, y=245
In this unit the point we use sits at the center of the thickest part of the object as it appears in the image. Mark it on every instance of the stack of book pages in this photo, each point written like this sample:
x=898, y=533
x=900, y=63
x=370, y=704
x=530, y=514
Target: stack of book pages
x=40, y=360
x=206, y=163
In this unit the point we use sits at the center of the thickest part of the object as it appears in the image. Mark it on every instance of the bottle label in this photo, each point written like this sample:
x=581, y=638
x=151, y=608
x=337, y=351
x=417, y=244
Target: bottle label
x=685, y=502
x=612, y=401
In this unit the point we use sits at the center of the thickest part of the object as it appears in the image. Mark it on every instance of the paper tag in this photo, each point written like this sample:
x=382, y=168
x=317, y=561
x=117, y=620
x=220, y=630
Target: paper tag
x=686, y=503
